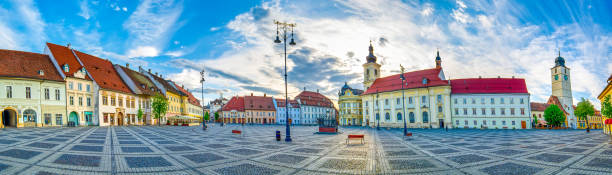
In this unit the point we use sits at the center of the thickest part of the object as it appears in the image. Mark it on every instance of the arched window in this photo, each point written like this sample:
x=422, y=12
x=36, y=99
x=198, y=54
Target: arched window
x=29, y=115
x=387, y=116
x=439, y=108
x=425, y=117
x=399, y=116
x=375, y=71
x=440, y=98
x=377, y=116
x=411, y=116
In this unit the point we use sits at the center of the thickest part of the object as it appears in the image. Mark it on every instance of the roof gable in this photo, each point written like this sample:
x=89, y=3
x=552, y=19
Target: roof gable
x=259, y=103
x=236, y=103
x=142, y=82
x=190, y=96
x=313, y=99
x=64, y=56
x=103, y=72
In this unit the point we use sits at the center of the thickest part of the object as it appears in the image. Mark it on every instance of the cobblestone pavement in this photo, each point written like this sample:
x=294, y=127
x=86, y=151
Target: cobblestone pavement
x=189, y=150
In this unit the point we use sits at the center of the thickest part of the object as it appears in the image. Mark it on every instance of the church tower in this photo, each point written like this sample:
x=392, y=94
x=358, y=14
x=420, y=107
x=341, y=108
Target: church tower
x=371, y=69
x=562, y=88
x=438, y=60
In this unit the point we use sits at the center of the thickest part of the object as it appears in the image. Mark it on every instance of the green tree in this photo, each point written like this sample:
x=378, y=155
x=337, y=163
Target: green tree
x=139, y=114
x=553, y=115
x=160, y=107
x=216, y=116
x=535, y=120
x=606, y=107
x=206, y=116
x=583, y=110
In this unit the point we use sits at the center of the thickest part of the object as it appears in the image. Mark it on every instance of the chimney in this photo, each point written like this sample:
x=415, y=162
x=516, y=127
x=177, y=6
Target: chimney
x=68, y=45
x=479, y=76
x=155, y=73
x=264, y=94
x=127, y=65
x=183, y=86
x=498, y=76
x=251, y=94
x=139, y=68
x=149, y=70
x=317, y=90
x=304, y=88
x=512, y=76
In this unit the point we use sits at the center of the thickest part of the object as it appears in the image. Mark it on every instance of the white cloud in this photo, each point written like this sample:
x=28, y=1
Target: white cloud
x=124, y=9
x=212, y=29
x=177, y=53
x=153, y=22
x=84, y=10
x=143, y=51
x=21, y=26
x=427, y=10
x=7, y=38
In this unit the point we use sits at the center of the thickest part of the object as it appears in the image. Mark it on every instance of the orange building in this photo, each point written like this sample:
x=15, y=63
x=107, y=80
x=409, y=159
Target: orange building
x=259, y=109
x=233, y=111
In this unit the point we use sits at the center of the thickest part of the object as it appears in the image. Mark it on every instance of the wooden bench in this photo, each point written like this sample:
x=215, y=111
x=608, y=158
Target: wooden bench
x=355, y=136
x=236, y=132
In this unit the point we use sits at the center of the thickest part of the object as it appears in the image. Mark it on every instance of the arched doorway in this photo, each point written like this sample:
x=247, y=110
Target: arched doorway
x=29, y=118
x=74, y=117
x=425, y=117
x=9, y=118
x=411, y=116
x=120, y=119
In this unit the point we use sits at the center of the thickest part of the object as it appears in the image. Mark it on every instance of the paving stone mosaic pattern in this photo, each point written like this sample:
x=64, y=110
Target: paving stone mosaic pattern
x=189, y=150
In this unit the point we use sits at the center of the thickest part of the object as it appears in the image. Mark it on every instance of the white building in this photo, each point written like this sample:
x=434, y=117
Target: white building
x=314, y=105
x=294, y=111
x=493, y=103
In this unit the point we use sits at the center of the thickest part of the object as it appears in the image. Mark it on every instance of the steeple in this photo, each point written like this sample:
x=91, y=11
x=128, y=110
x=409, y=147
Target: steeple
x=371, y=58
x=438, y=59
x=559, y=61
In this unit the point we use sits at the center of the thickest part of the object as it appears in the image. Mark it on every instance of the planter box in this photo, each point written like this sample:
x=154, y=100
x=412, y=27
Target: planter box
x=185, y=124
x=327, y=129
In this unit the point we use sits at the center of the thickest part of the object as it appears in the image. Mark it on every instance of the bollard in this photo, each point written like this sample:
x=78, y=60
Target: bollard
x=278, y=135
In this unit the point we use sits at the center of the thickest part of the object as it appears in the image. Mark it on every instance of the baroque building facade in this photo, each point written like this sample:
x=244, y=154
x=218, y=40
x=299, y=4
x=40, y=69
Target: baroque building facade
x=314, y=105
x=281, y=114
x=349, y=103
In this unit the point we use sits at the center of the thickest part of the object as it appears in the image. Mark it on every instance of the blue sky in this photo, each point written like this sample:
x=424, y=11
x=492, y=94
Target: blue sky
x=232, y=39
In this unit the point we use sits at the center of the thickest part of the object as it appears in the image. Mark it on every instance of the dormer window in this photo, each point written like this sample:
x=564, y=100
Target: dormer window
x=424, y=80
x=66, y=68
x=83, y=70
x=41, y=72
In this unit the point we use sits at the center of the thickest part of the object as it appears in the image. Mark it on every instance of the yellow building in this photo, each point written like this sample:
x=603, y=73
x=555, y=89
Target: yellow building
x=595, y=121
x=171, y=93
x=189, y=104
x=426, y=102
x=606, y=92
x=349, y=101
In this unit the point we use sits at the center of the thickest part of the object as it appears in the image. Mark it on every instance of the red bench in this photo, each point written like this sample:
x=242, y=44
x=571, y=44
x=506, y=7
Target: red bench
x=355, y=136
x=236, y=132
x=409, y=135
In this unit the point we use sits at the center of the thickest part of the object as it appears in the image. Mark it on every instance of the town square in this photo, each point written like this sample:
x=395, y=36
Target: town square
x=305, y=87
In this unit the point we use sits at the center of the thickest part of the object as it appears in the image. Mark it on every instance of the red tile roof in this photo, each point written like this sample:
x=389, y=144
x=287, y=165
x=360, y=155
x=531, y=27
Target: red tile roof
x=191, y=98
x=538, y=106
x=103, y=72
x=488, y=86
x=63, y=55
x=259, y=103
x=314, y=99
x=166, y=84
x=236, y=103
x=27, y=65
x=554, y=100
x=142, y=82
x=413, y=80
x=281, y=103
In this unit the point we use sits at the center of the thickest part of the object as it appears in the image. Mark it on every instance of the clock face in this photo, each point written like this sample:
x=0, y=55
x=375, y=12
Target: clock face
x=556, y=77
x=565, y=77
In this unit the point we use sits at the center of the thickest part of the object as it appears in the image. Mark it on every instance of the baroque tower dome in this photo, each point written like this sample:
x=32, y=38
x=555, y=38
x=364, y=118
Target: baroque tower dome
x=371, y=58
x=559, y=61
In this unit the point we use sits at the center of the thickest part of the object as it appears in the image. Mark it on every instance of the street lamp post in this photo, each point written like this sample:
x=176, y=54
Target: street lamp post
x=403, y=99
x=284, y=27
x=202, y=81
x=377, y=115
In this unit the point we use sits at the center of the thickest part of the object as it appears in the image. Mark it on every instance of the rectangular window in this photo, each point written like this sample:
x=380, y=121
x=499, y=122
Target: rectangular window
x=492, y=111
x=457, y=122
x=511, y=111
x=104, y=100
x=484, y=122
x=113, y=101
x=398, y=101
x=28, y=93
x=57, y=94
x=475, y=123
x=493, y=122
x=71, y=100
x=9, y=92
x=473, y=101
x=522, y=111
x=105, y=118
x=522, y=101
x=88, y=88
x=465, y=122
x=440, y=98
x=386, y=102
x=484, y=112
x=70, y=86
x=481, y=100
x=492, y=100
x=464, y=101
x=464, y=111
x=503, y=111
x=58, y=119
x=511, y=100
x=513, y=122
x=501, y=100
x=80, y=86
x=47, y=94
x=456, y=103
x=424, y=99
x=456, y=111
x=47, y=119
x=88, y=101
x=409, y=100
x=504, y=122
x=120, y=101
x=473, y=111
x=80, y=101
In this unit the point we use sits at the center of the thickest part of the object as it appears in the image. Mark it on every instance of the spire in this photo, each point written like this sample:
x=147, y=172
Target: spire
x=438, y=59
x=371, y=58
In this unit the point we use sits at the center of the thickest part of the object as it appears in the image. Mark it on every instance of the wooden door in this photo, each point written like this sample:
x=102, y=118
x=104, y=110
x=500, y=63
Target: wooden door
x=524, y=124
